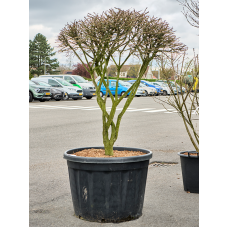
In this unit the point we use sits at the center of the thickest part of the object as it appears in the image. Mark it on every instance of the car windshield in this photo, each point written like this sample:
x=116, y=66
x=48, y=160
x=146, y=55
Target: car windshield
x=32, y=83
x=63, y=82
x=79, y=79
x=43, y=84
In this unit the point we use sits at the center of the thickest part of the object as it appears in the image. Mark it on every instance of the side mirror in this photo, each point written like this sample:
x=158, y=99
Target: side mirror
x=72, y=82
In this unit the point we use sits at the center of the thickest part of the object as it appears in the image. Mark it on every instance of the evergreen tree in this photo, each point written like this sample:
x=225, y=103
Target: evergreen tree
x=40, y=53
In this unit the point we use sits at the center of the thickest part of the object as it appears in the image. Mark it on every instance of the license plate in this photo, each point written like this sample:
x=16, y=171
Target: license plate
x=80, y=94
x=161, y=90
x=65, y=93
x=143, y=91
x=93, y=93
x=47, y=93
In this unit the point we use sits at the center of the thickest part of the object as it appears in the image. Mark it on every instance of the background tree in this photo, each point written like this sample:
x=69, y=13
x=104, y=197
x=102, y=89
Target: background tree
x=133, y=71
x=117, y=35
x=63, y=67
x=111, y=71
x=191, y=11
x=39, y=54
x=81, y=70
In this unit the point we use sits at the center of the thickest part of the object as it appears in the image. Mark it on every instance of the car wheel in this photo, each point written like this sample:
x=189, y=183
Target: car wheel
x=66, y=97
x=101, y=94
x=30, y=97
x=88, y=97
x=122, y=94
x=164, y=93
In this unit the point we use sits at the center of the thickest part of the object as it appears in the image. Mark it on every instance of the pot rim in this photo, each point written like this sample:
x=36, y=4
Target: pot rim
x=187, y=156
x=68, y=156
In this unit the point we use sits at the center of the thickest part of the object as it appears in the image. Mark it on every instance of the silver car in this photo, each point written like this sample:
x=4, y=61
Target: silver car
x=70, y=91
x=149, y=91
x=165, y=87
x=139, y=92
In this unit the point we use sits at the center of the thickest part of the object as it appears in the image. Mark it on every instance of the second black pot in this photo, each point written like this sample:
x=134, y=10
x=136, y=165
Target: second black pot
x=190, y=171
x=108, y=189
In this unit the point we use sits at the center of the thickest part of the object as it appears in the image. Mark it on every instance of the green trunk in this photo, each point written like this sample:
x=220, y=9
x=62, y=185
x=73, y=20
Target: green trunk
x=108, y=143
x=108, y=149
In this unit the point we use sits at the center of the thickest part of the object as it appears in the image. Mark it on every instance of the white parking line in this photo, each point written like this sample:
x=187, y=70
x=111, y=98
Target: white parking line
x=149, y=110
x=136, y=110
x=159, y=110
x=64, y=107
x=171, y=112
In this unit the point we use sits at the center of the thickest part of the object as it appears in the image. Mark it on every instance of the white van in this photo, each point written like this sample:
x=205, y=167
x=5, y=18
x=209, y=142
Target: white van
x=70, y=91
x=89, y=90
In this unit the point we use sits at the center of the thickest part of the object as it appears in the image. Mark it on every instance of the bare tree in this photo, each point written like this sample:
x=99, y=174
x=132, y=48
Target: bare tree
x=186, y=101
x=115, y=36
x=191, y=11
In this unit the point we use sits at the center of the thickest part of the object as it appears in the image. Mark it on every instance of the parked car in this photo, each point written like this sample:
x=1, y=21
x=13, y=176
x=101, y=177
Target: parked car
x=174, y=86
x=37, y=92
x=57, y=94
x=70, y=91
x=139, y=92
x=112, y=86
x=146, y=83
x=149, y=91
x=165, y=87
x=89, y=90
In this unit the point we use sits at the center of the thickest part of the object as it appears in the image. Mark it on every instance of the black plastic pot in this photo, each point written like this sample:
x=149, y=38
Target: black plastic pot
x=190, y=171
x=108, y=189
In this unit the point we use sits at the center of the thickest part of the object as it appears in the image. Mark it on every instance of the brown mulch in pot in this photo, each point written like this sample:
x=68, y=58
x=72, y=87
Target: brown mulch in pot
x=192, y=154
x=100, y=153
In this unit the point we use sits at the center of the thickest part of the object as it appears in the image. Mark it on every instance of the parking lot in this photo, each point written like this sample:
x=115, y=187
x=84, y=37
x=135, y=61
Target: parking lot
x=56, y=126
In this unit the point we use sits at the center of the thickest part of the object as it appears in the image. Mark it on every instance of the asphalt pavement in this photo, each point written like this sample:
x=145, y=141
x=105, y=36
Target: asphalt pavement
x=58, y=126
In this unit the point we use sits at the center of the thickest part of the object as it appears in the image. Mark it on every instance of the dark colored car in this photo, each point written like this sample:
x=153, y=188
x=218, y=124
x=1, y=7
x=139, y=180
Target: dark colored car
x=57, y=94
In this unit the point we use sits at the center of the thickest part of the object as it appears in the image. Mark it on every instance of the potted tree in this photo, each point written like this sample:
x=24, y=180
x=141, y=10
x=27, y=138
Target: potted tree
x=186, y=103
x=110, y=188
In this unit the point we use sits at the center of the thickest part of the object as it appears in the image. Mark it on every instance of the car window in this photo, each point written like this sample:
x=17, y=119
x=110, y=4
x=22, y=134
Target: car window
x=68, y=78
x=53, y=83
x=113, y=84
x=63, y=82
x=44, y=84
x=79, y=79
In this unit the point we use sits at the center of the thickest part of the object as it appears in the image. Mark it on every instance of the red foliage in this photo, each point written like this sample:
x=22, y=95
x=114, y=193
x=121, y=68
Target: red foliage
x=80, y=70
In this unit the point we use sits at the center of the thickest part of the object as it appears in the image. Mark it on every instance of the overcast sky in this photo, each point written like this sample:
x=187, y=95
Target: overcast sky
x=48, y=17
